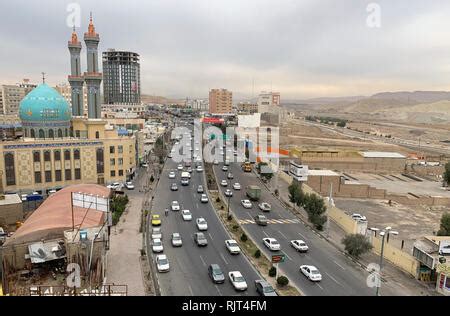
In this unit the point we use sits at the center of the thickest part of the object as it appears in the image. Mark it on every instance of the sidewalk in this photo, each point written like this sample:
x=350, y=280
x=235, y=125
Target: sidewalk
x=395, y=281
x=124, y=263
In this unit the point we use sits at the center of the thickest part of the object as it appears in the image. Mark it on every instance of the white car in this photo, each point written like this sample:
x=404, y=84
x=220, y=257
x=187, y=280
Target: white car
x=162, y=263
x=311, y=272
x=299, y=245
x=180, y=167
x=176, y=240
x=272, y=244
x=237, y=186
x=232, y=247
x=175, y=206
x=246, y=204
x=224, y=168
x=115, y=186
x=237, y=280
x=157, y=246
x=129, y=185
x=228, y=193
x=187, y=215
x=172, y=175
x=202, y=225
x=215, y=162
x=156, y=233
x=204, y=198
x=224, y=183
x=359, y=217
x=199, y=169
x=265, y=207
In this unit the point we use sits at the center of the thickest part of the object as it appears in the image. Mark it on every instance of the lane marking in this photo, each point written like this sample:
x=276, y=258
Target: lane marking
x=190, y=290
x=283, y=235
x=319, y=286
x=288, y=256
x=250, y=216
x=302, y=236
x=265, y=234
x=223, y=258
x=210, y=236
x=203, y=261
x=331, y=277
x=338, y=265
x=217, y=288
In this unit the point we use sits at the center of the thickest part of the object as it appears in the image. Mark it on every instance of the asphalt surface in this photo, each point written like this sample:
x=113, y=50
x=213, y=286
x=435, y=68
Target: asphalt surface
x=340, y=276
x=188, y=274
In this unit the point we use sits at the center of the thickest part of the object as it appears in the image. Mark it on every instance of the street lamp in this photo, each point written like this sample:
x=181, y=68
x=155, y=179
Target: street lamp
x=383, y=233
x=228, y=211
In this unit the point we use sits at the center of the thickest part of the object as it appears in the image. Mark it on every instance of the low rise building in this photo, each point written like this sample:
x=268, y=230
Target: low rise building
x=11, y=210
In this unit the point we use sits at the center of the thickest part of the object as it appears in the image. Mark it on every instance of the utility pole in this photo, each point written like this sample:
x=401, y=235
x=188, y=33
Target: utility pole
x=381, y=262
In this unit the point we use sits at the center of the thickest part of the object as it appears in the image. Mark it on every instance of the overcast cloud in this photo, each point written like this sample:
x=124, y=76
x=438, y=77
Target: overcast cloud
x=302, y=48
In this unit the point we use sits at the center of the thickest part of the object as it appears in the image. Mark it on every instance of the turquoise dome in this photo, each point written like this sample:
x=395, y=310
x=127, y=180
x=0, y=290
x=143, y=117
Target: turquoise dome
x=44, y=104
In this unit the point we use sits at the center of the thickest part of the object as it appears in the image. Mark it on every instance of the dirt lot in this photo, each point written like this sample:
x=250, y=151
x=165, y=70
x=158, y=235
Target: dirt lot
x=411, y=222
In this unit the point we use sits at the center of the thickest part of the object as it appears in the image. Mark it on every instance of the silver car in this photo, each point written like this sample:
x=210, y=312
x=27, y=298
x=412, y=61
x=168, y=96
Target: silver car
x=177, y=241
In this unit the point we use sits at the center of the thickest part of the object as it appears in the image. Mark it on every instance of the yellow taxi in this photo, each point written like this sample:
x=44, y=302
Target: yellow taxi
x=156, y=220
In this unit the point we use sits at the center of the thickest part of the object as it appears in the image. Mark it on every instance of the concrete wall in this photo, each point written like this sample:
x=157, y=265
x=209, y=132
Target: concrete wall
x=10, y=214
x=394, y=255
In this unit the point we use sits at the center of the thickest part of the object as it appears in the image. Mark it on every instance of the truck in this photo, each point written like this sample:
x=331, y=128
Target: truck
x=253, y=192
x=247, y=167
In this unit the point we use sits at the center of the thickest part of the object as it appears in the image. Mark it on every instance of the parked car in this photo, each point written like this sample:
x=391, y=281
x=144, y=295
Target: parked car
x=162, y=263
x=299, y=245
x=216, y=274
x=246, y=204
x=359, y=217
x=261, y=220
x=200, y=189
x=156, y=220
x=232, y=247
x=115, y=186
x=174, y=187
x=200, y=239
x=272, y=244
x=129, y=185
x=237, y=280
x=187, y=215
x=204, y=198
x=237, y=186
x=177, y=241
x=265, y=207
x=202, y=225
x=156, y=233
x=311, y=272
x=175, y=206
x=157, y=246
x=263, y=288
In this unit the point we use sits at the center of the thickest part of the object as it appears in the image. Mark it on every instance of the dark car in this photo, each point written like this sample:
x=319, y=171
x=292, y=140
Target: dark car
x=216, y=274
x=264, y=288
x=174, y=187
x=200, y=239
x=261, y=220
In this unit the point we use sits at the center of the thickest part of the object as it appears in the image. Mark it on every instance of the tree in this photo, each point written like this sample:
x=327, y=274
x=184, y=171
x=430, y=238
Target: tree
x=282, y=280
x=356, y=244
x=296, y=194
x=445, y=225
x=341, y=123
x=315, y=207
x=446, y=174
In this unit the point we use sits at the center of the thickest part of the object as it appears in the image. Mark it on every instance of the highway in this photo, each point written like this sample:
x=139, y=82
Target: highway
x=188, y=274
x=340, y=275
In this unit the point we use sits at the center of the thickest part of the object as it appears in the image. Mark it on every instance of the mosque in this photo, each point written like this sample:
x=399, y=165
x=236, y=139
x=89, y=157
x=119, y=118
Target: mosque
x=60, y=146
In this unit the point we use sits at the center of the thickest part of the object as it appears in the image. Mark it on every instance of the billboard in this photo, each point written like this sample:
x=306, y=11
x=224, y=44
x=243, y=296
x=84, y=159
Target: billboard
x=298, y=172
x=444, y=247
x=89, y=201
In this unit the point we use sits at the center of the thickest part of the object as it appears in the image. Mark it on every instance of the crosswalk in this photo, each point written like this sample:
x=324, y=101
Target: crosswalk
x=270, y=221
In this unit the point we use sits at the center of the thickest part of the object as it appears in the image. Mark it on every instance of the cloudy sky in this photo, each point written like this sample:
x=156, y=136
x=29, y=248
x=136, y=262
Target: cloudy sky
x=302, y=48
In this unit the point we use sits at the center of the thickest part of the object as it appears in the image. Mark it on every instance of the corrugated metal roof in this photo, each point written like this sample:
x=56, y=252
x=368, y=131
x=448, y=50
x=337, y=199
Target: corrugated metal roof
x=381, y=154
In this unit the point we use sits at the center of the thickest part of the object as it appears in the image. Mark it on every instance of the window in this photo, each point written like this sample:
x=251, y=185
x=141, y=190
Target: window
x=97, y=134
x=112, y=149
x=37, y=177
x=57, y=155
x=58, y=176
x=120, y=161
x=67, y=154
x=48, y=176
x=120, y=148
x=68, y=174
x=120, y=173
x=47, y=156
x=77, y=134
x=36, y=156
x=112, y=162
x=100, y=161
x=32, y=134
x=113, y=173
x=76, y=154
x=60, y=133
x=10, y=170
x=41, y=133
x=51, y=134
x=78, y=174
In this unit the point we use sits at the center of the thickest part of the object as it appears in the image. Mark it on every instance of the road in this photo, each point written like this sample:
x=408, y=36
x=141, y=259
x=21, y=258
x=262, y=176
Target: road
x=340, y=275
x=188, y=265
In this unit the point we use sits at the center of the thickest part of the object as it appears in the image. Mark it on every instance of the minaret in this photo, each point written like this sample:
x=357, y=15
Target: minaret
x=76, y=79
x=92, y=77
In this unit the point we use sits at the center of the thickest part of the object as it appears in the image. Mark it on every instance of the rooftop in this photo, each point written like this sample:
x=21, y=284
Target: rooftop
x=328, y=173
x=381, y=154
x=10, y=199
